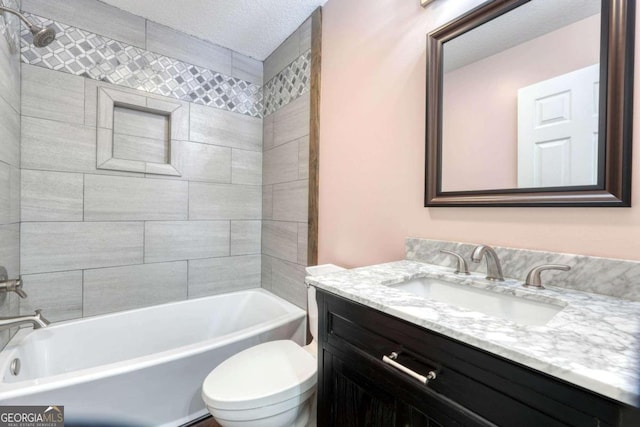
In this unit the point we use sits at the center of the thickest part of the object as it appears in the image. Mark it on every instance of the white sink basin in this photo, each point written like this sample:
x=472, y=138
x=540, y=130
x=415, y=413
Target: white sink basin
x=519, y=310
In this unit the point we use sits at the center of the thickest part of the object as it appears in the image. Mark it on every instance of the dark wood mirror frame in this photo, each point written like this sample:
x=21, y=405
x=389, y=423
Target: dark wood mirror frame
x=616, y=99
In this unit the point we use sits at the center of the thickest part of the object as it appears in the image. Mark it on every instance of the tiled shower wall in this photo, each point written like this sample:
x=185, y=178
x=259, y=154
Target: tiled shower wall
x=9, y=157
x=285, y=188
x=96, y=241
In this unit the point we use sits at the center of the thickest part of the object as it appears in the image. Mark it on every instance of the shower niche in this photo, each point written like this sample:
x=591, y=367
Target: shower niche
x=138, y=133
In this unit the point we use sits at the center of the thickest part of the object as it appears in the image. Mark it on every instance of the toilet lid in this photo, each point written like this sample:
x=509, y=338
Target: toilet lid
x=266, y=374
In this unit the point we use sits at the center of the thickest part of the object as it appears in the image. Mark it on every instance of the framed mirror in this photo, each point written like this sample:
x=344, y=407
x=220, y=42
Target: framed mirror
x=529, y=103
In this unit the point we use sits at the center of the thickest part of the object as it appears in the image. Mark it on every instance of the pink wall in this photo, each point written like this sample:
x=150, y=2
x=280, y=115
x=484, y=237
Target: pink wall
x=372, y=150
x=484, y=97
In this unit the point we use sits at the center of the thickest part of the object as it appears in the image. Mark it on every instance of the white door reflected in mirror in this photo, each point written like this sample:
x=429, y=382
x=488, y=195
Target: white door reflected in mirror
x=558, y=130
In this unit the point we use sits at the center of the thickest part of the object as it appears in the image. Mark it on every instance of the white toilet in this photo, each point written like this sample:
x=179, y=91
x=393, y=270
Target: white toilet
x=270, y=385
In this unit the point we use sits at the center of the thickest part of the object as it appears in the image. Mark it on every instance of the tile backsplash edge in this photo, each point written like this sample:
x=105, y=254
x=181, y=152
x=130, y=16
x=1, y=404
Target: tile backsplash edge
x=605, y=276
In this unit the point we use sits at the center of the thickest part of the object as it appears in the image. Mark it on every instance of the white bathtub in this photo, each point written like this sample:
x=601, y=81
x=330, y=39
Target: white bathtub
x=141, y=367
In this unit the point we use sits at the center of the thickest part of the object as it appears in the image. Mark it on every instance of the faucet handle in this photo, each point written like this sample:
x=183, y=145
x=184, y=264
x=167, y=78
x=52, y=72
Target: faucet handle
x=533, y=278
x=14, y=285
x=18, y=288
x=462, y=267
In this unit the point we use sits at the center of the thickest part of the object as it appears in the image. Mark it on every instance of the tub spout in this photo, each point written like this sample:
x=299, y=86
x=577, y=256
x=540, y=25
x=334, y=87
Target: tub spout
x=36, y=320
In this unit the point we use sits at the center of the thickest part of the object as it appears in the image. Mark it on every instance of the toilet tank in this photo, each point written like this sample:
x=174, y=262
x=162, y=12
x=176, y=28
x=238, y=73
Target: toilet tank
x=312, y=305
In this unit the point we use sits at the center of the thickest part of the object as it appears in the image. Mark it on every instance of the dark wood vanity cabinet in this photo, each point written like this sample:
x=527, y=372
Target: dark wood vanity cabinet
x=472, y=387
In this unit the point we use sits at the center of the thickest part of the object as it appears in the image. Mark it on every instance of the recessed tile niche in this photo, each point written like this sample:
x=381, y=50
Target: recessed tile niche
x=136, y=132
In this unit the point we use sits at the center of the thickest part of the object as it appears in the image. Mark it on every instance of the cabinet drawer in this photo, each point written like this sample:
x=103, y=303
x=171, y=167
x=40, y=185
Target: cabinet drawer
x=494, y=388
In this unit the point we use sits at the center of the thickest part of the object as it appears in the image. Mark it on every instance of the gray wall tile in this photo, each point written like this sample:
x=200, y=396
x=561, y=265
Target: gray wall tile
x=183, y=240
x=287, y=281
x=112, y=198
x=219, y=275
x=280, y=240
x=128, y=121
x=52, y=95
x=62, y=246
x=245, y=237
x=5, y=193
x=10, y=249
x=14, y=214
x=290, y=201
x=58, y=295
x=292, y=121
x=10, y=74
x=284, y=55
x=267, y=202
x=265, y=271
x=303, y=238
x=124, y=288
x=9, y=194
x=246, y=68
x=305, y=36
x=281, y=163
x=178, y=45
x=286, y=172
x=10, y=176
x=203, y=162
x=267, y=132
x=246, y=167
x=94, y=16
x=303, y=157
x=57, y=146
x=142, y=149
x=214, y=126
x=9, y=134
x=5, y=311
x=179, y=120
x=224, y=201
x=9, y=306
x=51, y=196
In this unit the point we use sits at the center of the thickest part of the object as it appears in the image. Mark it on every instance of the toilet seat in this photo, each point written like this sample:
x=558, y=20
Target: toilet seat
x=276, y=374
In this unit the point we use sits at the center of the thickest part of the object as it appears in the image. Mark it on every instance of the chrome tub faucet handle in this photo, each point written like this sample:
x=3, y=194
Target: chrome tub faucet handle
x=14, y=285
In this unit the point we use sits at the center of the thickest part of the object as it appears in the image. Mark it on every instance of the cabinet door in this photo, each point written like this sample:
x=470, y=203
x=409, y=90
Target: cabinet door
x=358, y=391
x=352, y=399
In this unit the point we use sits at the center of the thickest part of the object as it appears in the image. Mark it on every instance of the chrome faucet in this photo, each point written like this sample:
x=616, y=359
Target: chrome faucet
x=494, y=269
x=35, y=319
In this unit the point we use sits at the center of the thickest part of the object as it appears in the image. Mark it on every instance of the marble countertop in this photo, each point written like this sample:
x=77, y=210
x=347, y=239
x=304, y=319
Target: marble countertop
x=593, y=342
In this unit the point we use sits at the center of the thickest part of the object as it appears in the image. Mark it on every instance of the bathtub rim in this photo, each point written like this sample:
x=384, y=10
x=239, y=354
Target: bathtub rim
x=11, y=390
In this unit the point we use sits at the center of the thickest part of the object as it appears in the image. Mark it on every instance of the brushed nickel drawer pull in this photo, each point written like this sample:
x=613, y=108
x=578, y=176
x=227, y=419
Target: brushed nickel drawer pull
x=390, y=360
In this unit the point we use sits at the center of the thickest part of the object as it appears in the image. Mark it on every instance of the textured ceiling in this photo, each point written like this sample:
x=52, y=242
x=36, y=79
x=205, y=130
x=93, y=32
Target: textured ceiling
x=525, y=23
x=252, y=27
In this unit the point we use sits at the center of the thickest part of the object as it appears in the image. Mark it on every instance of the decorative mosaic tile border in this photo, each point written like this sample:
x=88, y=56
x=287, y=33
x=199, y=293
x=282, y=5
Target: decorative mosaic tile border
x=82, y=53
x=79, y=52
x=288, y=84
